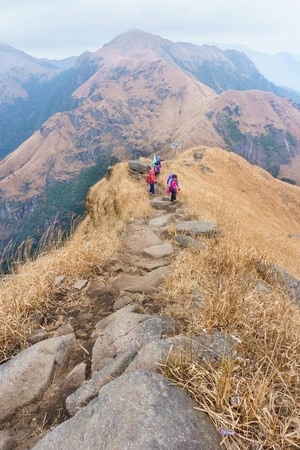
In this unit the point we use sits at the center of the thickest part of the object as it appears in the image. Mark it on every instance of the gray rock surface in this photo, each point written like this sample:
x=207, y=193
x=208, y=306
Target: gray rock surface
x=151, y=357
x=7, y=442
x=24, y=378
x=140, y=237
x=94, y=288
x=37, y=336
x=103, y=323
x=137, y=411
x=144, y=284
x=129, y=331
x=278, y=275
x=188, y=242
x=206, y=348
x=91, y=388
x=161, y=221
x=80, y=284
x=159, y=251
x=59, y=280
x=122, y=301
x=198, y=228
x=138, y=166
x=149, y=263
x=75, y=378
x=163, y=203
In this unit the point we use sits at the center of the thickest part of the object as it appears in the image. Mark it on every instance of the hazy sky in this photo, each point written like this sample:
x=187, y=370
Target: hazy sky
x=57, y=29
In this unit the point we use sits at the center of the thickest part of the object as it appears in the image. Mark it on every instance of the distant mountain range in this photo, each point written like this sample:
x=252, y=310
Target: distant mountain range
x=62, y=124
x=282, y=68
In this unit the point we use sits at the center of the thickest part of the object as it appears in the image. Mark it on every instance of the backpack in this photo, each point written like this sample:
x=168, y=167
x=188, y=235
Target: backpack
x=169, y=178
x=150, y=178
x=173, y=185
x=157, y=169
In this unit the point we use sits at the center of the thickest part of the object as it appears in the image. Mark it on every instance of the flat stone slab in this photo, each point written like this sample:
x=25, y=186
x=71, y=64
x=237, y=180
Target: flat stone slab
x=144, y=284
x=159, y=251
x=140, y=237
x=198, y=228
x=162, y=203
x=161, y=221
x=149, y=264
x=80, y=284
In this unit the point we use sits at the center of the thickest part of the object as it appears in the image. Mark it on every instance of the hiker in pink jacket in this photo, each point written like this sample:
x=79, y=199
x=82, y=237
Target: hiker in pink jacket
x=173, y=187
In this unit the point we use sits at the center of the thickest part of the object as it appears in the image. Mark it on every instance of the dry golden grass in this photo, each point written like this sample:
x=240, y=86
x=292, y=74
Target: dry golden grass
x=224, y=288
x=95, y=243
x=253, y=210
x=219, y=289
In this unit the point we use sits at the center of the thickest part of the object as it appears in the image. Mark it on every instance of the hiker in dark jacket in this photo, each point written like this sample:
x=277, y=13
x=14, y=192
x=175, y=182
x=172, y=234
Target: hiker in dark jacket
x=157, y=165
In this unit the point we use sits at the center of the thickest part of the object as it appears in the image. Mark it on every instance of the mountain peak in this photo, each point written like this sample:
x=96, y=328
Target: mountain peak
x=136, y=39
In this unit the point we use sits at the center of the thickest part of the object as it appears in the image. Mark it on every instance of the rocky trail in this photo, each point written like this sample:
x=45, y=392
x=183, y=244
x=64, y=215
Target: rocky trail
x=91, y=377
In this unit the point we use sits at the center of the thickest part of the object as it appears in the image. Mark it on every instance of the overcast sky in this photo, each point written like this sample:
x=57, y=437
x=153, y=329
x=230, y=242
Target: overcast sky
x=57, y=29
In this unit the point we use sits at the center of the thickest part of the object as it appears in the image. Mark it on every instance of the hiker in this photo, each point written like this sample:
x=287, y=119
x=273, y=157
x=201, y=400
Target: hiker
x=157, y=165
x=150, y=179
x=173, y=187
x=157, y=168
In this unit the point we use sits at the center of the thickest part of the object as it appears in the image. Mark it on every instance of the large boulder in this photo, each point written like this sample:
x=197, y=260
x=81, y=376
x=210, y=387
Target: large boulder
x=25, y=378
x=138, y=166
x=137, y=411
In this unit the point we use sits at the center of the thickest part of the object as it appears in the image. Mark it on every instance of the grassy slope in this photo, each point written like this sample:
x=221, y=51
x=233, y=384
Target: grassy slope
x=224, y=288
x=256, y=213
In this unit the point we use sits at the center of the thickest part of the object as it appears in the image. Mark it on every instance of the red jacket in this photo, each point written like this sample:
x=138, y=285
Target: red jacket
x=151, y=177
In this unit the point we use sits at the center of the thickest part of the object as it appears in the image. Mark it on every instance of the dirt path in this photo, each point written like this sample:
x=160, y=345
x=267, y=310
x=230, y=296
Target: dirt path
x=81, y=310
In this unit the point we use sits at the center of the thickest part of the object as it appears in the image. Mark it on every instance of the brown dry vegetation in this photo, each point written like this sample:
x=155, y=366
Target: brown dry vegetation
x=95, y=244
x=218, y=288
x=257, y=395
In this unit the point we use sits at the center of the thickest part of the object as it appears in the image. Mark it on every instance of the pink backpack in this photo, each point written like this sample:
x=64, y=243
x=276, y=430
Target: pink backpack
x=174, y=185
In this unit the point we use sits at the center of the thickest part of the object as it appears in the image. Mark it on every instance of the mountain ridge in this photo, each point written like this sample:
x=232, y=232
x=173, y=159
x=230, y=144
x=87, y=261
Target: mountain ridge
x=230, y=286
x=281, y=68
x=132, y=103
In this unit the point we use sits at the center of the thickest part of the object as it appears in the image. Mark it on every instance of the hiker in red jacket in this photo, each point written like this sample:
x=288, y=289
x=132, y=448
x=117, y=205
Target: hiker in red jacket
x=150, y=179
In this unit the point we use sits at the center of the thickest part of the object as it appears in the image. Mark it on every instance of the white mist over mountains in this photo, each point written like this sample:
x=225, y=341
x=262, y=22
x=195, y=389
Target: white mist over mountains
x=281, y=68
